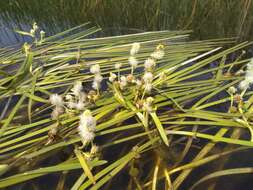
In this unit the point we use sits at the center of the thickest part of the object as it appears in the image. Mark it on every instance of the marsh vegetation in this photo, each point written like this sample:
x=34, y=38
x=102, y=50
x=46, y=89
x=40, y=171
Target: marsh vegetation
x=149, y=110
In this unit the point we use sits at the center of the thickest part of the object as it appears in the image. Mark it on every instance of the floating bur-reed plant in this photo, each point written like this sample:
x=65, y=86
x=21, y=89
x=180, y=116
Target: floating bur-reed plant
x=148, y=120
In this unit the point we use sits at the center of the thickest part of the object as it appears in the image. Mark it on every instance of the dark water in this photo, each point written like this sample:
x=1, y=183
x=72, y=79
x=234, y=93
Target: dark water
x=207, y=18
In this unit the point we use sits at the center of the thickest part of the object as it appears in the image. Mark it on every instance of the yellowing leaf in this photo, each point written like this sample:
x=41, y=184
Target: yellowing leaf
x=84, y=165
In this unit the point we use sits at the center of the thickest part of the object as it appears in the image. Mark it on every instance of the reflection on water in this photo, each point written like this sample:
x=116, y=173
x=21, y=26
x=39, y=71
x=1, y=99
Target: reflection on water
x=208, y=19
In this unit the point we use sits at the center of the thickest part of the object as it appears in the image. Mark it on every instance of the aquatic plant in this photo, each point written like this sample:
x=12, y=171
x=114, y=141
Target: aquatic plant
x=145, y=125
x=208, y=19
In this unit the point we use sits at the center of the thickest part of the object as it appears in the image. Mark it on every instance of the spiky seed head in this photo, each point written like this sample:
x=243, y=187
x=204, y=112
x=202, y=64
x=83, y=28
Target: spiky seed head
x=86, y=135
x=96, y=85
x=243, y=85
x=88, y=121
x=148, y=87
x=133, y=62
x=56, y=100
x=232, y=90
x=77, y=89
x=118, y=66
x=158, y=54
x=112, y=77
x=149, y=64
x=98, y=78
x=135, y=48
x=148, y=77
x=95, y=69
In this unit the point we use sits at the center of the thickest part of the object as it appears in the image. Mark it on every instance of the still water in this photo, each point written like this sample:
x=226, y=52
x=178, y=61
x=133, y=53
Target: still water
x=208, y=19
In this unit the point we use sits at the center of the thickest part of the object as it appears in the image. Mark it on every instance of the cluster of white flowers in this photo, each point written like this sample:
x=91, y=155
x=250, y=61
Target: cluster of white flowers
x=132, y=60
x=87, y=127
x=145, y=82
x=135, y=48
x=149, y=64
x=95, y=69
x=138, y=83
x=158, y=54
x=57, y=101
x=77, y=99
x=123, y=82
x=244, y=85
x=148, y=78
x=148, y=104
x=112, y=77
x=232, y=90
x=77, y=89
x=118, y=66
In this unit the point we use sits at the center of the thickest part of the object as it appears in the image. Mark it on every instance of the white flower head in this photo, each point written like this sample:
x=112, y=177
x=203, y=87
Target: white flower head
x=96, y=85
x=148, y=87
x=71, y=105
x=80, y=105
x=148, y=104
x=149, y=63
x=150, y=100
x=88, y=121
x=135, y=48
x=86, y=135
x=249, y=76
x=244, y=85
x=112, y=77
x=123, y=79
x=232, y=90
x=69, y=97
x=77, y=89
x=82, y=96
x=98, y=78
x=57, y=112
x=123, y=82
x=138, y=82
x=118, y=66
x=158, y=54
x=56, y=100
x=97, y=81
x=95, y=69
x=148, y=77
x=133, y=62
